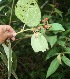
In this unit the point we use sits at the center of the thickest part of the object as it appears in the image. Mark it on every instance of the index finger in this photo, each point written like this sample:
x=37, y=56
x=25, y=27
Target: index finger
x=10, y=29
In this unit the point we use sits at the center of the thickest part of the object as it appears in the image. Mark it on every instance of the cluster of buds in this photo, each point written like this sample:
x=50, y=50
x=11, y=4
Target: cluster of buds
x=45, y=24
x=45, y=21
x=47, y=27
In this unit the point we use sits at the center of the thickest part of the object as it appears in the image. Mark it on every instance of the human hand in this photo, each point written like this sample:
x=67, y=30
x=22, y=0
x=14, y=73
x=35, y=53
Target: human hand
x=6, y=31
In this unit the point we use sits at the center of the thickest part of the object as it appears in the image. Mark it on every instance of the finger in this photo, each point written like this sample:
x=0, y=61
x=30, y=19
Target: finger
x=7, y=35
x=10, y=29
x=13, y=38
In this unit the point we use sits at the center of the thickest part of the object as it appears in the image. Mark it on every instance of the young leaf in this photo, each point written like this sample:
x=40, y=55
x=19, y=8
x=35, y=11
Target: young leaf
x=66, y=60
x=52, y=40
x=53, y=67
x=59, y=58
x=28, y=12
x=39, y=43
x=56, y=27
x=58, y=12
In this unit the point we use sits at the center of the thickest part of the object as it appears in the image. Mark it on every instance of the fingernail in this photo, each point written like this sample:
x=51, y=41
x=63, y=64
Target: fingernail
x=13, y=38
x=14, y=34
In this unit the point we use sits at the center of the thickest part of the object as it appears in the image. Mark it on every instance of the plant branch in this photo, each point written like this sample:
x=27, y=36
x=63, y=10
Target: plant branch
x=44, y=4
x=22, y=30
x=11, y=13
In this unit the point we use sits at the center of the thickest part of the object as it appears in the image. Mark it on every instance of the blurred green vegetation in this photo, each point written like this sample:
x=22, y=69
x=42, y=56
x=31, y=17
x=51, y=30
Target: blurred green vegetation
x=31, y=65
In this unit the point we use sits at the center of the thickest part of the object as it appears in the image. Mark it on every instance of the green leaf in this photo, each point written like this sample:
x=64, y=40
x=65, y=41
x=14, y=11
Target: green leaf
x=4, y=59
x=59, y=58
x=51, y=5
x=53, y=67
x=52, y=40
x=56, y=27
x=67, y=49
x=39, y=43
x=62, y=43
x=52, y=52
x=8, y=52
x=1, y=7
x=48, y=16
x=58, y=12
x=28, y=12
x=42, y=31
x=9, y=61
x=66, y=60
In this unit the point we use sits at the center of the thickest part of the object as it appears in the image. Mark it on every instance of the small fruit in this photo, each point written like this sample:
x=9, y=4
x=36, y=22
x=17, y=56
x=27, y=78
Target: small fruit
x=46, y=19
x=39, y=28
x=45, y=26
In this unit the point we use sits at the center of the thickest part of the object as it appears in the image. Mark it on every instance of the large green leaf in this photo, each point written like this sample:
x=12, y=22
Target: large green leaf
x=53, y=67
x=56, y=27
x=8, y=52
x=39, y=43
x=66, y=60
x=28, y=12
x=52, y=40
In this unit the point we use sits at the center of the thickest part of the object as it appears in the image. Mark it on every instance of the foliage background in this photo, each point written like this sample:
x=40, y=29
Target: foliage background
x=31, y=65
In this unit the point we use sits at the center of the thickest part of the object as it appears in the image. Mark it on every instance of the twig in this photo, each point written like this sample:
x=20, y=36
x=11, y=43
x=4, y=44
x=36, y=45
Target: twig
x=44, y=4
x=22, y=30
x=11, y=13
